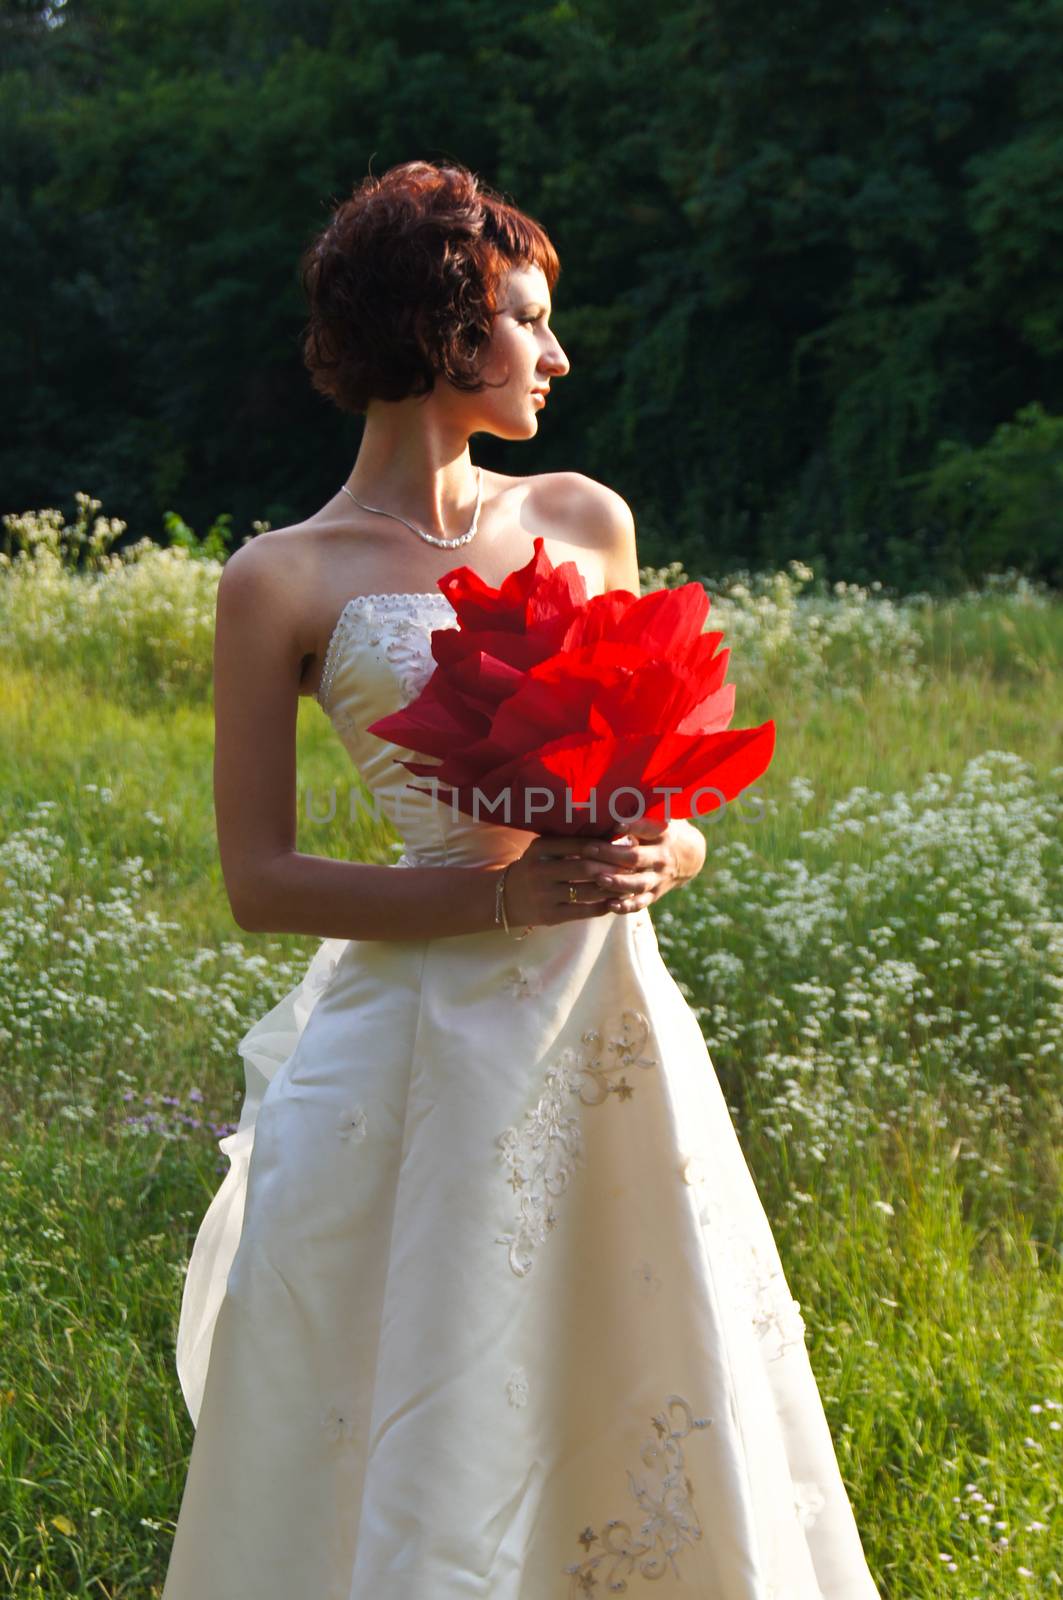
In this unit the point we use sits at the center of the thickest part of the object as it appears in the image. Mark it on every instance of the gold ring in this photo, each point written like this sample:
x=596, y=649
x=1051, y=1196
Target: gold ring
x=572, y=891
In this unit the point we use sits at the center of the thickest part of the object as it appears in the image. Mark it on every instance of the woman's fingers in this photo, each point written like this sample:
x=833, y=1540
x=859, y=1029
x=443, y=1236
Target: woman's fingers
x=617, y=899
x=626, y=883
x=587, y=890
x=591, y=903
x=609, y=878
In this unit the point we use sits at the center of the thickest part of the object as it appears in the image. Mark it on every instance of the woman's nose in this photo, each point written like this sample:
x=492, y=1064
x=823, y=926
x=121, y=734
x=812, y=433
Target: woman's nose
x=558, y=362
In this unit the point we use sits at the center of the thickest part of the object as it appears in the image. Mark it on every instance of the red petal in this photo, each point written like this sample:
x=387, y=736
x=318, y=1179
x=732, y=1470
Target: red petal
x=665, y=620
x=533, y=592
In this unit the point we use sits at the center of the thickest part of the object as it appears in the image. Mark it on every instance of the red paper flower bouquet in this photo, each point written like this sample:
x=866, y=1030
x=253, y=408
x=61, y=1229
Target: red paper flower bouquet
x=555, y=713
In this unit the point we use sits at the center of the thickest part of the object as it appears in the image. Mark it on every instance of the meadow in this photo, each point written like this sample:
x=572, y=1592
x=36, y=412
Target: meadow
x=874, y=950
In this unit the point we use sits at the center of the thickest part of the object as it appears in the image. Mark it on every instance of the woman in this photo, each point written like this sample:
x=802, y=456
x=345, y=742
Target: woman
x=487, y=1304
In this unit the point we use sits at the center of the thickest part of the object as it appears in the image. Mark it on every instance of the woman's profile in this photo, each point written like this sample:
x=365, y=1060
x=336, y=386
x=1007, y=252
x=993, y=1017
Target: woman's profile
x=487, y=1303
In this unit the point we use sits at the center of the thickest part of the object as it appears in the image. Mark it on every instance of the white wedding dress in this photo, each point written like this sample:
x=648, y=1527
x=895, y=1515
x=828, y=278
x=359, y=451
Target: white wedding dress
x=487, y=1304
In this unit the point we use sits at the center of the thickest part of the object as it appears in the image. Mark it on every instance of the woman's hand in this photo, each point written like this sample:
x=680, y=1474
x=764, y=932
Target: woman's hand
x=537, y=888
x=660, y=856
x=657, y=857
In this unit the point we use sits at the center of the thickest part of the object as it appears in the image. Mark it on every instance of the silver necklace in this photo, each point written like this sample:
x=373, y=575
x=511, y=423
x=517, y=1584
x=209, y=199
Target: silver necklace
x=431, y=538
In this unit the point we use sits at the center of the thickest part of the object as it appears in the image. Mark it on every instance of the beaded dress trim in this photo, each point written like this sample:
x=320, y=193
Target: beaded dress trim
x=387, y=603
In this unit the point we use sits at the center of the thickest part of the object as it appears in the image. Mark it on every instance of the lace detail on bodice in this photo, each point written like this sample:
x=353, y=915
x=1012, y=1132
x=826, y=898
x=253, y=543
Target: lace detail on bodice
x=369, y=615
x=378, y=660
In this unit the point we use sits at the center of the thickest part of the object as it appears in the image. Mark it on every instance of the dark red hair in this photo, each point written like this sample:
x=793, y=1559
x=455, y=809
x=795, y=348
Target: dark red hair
x=401, y=284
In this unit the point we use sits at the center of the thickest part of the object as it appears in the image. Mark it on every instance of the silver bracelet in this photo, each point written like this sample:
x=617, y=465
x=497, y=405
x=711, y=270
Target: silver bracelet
x=500, y=898
x=501, y=920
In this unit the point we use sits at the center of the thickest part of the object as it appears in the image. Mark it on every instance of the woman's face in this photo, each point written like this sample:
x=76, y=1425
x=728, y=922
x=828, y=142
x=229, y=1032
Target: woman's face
x=521, y=356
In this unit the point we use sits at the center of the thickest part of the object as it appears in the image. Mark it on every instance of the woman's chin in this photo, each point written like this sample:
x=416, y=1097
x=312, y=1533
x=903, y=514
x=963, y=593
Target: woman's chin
x=511, y=428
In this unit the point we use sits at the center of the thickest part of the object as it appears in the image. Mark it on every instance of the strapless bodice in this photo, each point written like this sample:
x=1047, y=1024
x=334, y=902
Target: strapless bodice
x=378, y=659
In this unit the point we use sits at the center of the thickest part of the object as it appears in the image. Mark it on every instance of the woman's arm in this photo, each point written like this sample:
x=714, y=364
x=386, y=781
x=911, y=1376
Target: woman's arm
x=352, y=900
x=259, y=646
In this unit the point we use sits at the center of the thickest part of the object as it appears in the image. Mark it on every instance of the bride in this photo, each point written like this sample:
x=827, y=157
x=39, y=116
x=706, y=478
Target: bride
x=487, y=1303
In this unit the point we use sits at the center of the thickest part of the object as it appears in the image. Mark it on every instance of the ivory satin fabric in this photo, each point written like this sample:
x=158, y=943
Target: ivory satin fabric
x=487, y=1304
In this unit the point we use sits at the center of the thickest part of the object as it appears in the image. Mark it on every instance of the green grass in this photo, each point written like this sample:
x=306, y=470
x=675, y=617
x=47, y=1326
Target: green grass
x=876, y=962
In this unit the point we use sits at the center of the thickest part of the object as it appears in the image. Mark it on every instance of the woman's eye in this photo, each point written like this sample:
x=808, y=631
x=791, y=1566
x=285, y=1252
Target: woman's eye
x=537, y=318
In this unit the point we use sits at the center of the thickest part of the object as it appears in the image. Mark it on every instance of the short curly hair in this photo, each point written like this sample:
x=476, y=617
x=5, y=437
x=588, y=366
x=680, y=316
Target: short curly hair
x=401, y=283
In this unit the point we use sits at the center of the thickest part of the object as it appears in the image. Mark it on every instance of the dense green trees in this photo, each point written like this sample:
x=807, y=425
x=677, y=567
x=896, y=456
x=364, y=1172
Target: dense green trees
x=809, y=257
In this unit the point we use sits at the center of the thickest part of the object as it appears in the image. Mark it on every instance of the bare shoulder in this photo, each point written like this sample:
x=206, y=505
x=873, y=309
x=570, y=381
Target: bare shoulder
x=257, y=668
x=270, y=560
x=596, y=515
x=269, y=578
x=581, y=501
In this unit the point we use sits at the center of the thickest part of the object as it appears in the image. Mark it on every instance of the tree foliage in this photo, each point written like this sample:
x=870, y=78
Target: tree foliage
x=801, y=246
